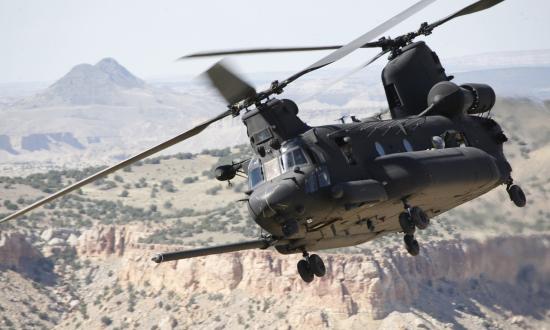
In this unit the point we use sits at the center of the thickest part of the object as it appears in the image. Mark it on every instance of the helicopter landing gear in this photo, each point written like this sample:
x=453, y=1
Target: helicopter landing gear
x=411, y=244
x=290, y=227
x=516, y=194
x=407, y=225
x=413, y=217
x=311, y=266
x=419, y=218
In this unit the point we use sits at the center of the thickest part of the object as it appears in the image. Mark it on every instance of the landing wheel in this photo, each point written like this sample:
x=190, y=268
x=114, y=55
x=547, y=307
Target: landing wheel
x=317, y=265
x=411, y=244
x=407, y=225
x=419, y=218
x=516, y=195
x=290, y=227
x=305, y=271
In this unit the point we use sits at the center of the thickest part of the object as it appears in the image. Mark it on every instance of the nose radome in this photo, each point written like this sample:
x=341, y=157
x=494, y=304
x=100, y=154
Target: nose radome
x=273, y=198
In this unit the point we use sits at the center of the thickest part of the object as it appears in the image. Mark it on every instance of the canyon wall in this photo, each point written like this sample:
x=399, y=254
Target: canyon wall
x=370, y=285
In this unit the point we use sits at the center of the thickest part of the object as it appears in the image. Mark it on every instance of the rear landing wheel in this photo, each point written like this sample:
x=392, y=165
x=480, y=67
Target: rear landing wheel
x=516, y=195
x=305, y=271
x=419, y=218
x=407, y=225
x=411, y=244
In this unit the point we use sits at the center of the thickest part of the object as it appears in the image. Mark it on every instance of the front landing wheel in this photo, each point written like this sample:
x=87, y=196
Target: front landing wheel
x=305, y=271
x=407, y=225
x=317, y=265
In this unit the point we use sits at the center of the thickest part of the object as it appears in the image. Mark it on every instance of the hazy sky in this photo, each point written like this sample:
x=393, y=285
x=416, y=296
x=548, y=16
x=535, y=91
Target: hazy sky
x=42, y=40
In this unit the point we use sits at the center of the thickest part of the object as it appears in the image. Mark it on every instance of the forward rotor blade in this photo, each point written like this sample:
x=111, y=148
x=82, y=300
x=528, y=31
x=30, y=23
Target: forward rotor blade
x=348, y=74
x=229, y=84
x=257, y=51
x=206, y=251
x=184, y=136
x=473, y=8
x=362, y=40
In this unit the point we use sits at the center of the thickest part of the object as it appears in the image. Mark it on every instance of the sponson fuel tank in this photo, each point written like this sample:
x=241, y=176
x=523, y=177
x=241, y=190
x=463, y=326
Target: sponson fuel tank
x=428, y=171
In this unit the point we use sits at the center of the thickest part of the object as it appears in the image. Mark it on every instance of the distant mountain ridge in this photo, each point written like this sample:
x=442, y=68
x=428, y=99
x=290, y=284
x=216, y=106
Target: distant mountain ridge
x=97, y=111
x=494, y=60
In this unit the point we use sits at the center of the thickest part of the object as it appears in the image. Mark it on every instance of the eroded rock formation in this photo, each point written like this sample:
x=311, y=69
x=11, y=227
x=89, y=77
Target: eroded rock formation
x=372, y=285
x=16, y=252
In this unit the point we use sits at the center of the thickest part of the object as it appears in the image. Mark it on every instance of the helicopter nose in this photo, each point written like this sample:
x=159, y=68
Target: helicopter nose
x=273, y=198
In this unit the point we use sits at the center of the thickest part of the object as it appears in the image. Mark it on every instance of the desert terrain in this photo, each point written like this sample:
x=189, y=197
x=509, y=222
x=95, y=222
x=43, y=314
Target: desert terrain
x=83, y=262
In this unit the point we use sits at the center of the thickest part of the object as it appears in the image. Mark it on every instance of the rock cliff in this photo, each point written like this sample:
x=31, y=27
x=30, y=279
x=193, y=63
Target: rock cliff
x=16, y=253
x=356, y=287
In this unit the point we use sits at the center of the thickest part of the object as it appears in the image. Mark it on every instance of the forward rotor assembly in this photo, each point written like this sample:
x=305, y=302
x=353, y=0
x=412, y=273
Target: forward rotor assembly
x=220, y=74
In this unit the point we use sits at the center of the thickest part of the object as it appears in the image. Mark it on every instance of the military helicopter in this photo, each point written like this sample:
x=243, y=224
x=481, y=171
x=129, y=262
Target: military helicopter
x=338, y=185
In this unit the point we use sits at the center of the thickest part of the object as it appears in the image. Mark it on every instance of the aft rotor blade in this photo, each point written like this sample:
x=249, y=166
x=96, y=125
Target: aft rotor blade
x=257, y=51
x=348, y=74
x=362, y=40
x=184, y=136
x=473, y=8
x=230, y=85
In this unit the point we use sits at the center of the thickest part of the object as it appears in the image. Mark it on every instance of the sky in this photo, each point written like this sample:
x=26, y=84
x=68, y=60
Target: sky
x=42, y=40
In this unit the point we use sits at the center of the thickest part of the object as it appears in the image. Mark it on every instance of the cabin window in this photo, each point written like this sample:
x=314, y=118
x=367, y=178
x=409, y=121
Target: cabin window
x=379, y=149
x=407, y=145
x=323, y=176
x=317, y=179
x=311, y=183
x=272, y=169
x=255, y=174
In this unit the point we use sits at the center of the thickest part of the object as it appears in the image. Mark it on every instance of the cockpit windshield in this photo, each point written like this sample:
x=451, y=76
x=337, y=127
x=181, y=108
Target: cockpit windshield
x=275, y=166
x=293, y=157
x=272, y=169
x=255, y=173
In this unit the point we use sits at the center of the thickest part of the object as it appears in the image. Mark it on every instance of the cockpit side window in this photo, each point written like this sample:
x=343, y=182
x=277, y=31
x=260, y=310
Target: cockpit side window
x=299, y=158
x=288, y=161
x=292, y=158
x=255, y=173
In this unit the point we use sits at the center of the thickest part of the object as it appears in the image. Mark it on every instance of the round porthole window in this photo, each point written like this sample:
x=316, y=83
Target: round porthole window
x=379, y=149
x=407, y=145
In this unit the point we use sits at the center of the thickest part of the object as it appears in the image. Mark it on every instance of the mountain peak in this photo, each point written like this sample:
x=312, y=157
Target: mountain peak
x=107, y=61
x=118, y=73
x=94, y=84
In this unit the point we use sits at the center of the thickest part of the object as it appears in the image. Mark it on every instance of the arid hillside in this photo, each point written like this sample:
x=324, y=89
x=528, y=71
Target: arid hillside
x=84, y=261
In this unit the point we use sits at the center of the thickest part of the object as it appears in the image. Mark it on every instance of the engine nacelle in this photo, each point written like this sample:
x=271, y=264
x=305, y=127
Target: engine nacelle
x=449, y=99
x=484, y=97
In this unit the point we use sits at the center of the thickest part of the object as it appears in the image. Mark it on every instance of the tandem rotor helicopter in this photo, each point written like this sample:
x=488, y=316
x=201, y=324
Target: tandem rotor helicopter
x=338, y=185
